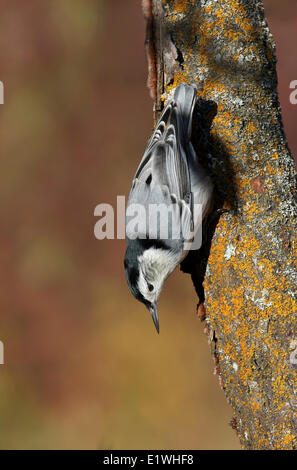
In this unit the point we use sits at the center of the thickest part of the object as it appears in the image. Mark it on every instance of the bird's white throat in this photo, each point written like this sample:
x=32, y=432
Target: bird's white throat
x=155, y=265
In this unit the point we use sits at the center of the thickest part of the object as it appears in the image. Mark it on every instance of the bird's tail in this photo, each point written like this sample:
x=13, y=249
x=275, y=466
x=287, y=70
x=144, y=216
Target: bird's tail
x=185, y=99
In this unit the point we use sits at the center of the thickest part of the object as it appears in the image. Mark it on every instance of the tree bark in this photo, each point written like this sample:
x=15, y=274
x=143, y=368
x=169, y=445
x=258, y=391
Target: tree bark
x=248, y=269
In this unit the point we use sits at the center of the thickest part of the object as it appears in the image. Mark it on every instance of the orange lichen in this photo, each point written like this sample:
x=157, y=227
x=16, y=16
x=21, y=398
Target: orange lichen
x=181, y=6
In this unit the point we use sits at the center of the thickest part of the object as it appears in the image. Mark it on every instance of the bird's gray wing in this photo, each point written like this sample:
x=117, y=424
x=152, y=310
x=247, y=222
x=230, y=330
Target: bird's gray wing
x=165, y=161
x=169, y=160
x=156, y=214
x=163, y=174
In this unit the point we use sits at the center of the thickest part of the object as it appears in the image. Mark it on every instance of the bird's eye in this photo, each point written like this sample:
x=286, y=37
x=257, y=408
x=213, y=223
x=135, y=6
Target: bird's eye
x=150, y=287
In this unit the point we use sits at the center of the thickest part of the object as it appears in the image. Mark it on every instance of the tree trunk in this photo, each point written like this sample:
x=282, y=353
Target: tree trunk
x=248, y=269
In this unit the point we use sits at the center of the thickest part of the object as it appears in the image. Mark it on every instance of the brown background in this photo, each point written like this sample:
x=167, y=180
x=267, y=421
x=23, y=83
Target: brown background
x=83, y=365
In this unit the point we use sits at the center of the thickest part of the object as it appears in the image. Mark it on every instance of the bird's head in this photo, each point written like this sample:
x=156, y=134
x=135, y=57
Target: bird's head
x=146, y=271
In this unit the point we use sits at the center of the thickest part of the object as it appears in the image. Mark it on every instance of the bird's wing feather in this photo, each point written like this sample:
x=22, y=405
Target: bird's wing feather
x=163, y=174
x=160, y=215
x=164, y=161
x=169, y=161
x=156, y=137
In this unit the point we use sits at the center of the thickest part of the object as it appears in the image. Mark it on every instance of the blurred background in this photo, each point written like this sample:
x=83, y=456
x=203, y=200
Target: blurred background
x=84, y=368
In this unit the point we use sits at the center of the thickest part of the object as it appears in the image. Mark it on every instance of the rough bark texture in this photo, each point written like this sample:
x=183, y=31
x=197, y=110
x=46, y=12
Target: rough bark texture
x=226, y=49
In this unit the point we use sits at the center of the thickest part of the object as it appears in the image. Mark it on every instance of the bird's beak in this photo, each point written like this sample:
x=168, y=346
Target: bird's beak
x=154, y=313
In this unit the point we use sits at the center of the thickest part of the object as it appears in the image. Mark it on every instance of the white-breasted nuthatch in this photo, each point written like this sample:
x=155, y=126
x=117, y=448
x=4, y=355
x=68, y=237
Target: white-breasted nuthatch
x=170, y=176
